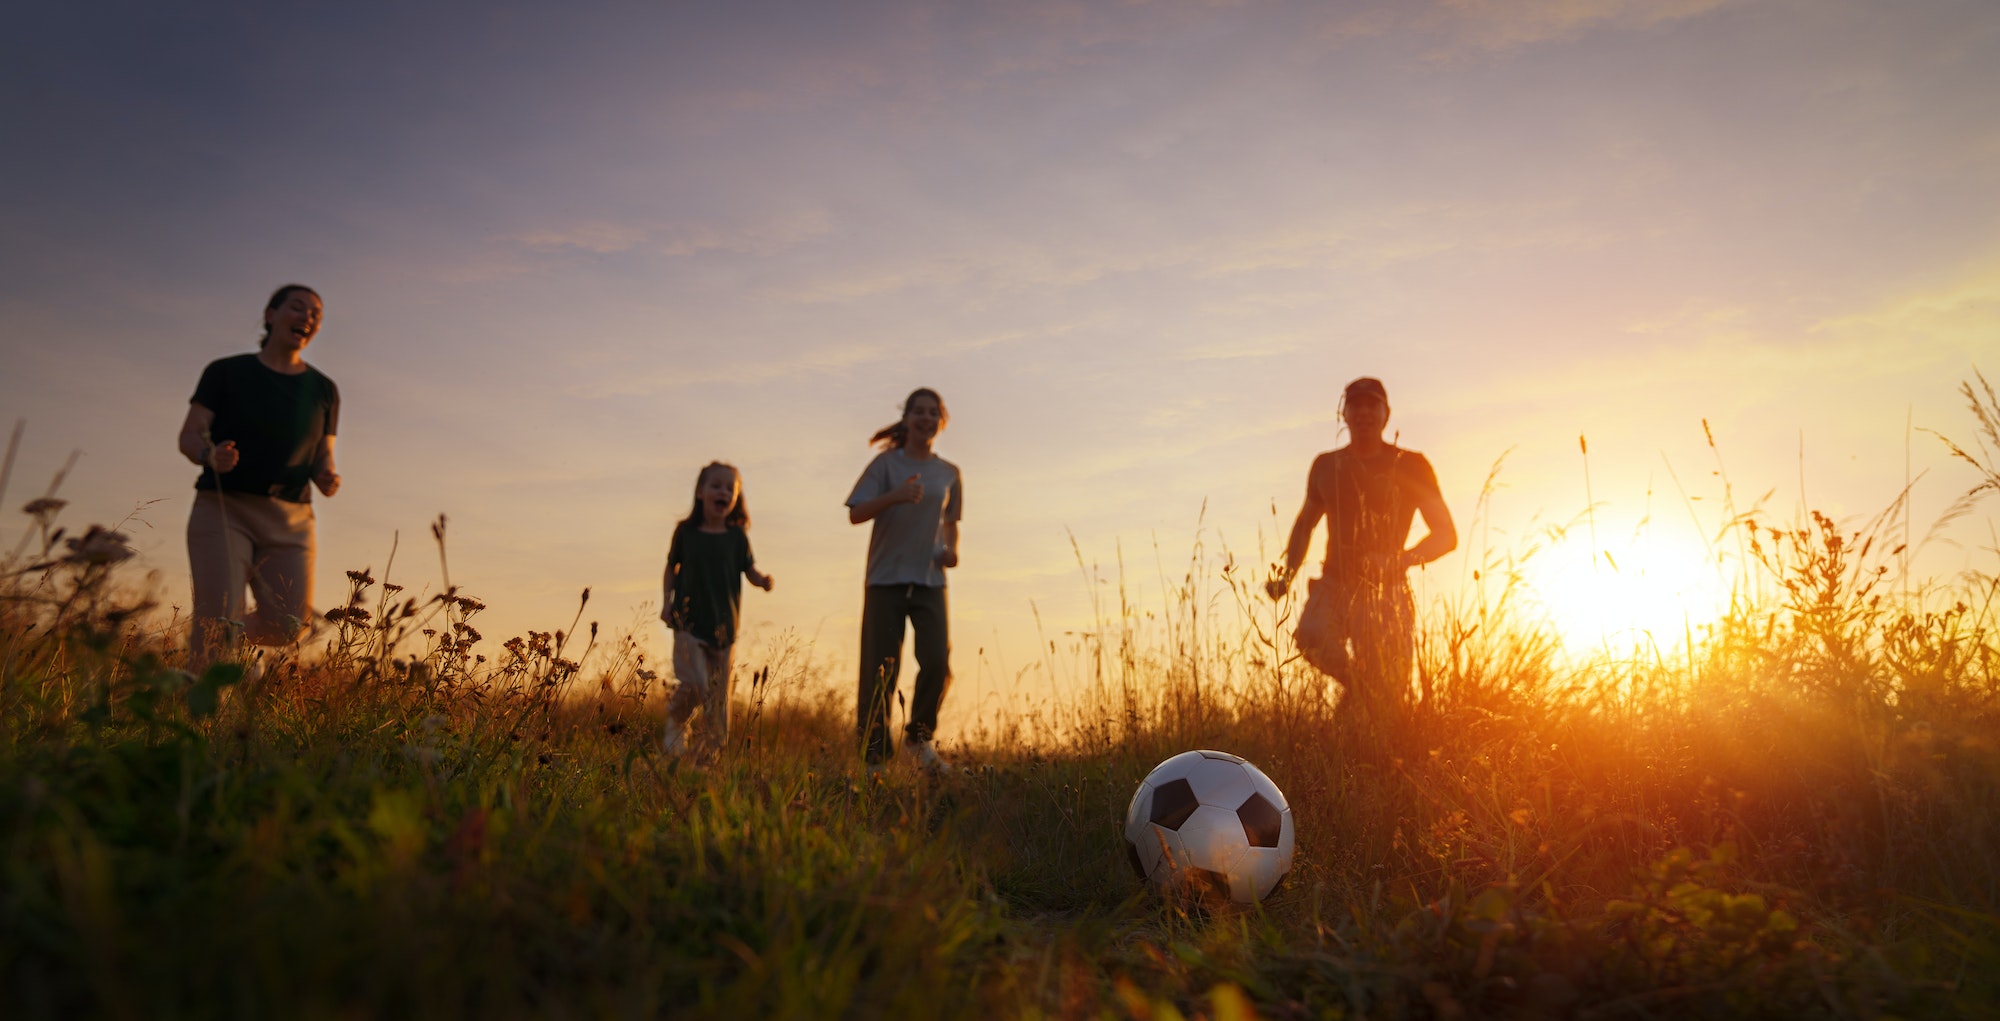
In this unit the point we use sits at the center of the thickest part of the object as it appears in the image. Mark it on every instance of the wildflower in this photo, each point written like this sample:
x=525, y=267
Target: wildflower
x=361, y=576
x=44, y=507
x=98, y=546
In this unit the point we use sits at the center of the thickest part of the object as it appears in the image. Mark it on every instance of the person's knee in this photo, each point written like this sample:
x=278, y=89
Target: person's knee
x=1325, y=657
x=934, y=662
x=1321, y=647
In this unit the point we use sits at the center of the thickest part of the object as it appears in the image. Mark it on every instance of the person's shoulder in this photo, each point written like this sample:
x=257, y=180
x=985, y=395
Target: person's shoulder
x=1416, y=467
x=946, y=465
x=233, y=363
x=321, y=379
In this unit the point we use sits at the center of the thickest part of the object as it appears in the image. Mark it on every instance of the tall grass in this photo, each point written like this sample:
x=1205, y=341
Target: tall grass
x=1800, y=815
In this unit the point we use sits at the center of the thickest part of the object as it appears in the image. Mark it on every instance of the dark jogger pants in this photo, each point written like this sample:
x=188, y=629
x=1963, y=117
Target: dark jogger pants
x=882, y=613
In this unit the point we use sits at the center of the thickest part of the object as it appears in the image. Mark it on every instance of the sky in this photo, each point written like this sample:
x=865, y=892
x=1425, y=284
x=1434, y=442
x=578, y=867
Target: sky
x=570, y=253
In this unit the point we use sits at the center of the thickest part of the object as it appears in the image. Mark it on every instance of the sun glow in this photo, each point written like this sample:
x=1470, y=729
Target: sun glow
x=1651, y=592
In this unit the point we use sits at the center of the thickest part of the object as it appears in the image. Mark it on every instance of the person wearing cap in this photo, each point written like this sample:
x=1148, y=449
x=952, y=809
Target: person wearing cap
x=1357, y=622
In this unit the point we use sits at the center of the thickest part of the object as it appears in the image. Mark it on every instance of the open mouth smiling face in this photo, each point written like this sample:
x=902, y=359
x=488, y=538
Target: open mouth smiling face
x=296, y=320
x=718, y=492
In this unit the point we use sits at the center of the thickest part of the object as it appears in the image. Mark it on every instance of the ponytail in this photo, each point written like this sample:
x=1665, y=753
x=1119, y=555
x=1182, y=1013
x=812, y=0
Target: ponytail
x=893, y=435
x=890, y=437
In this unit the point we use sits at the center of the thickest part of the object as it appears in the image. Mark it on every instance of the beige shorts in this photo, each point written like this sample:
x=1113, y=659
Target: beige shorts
x=704, y=674
x=242, y=542
x=1358, y=633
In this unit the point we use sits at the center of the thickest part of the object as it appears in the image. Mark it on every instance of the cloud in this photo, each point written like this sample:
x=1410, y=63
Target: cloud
x=1502, y=24
x=1453, y=27
x=1364, y=240
x=818, y=360
x=1932, y=324
x=1906, y=341
x=597, y=238
x=764, y=237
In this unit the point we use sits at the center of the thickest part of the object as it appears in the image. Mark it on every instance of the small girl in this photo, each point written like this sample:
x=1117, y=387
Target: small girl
x=708, y=556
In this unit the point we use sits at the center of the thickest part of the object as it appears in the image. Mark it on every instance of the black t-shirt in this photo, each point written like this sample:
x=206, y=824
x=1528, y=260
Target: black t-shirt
x=707, y=570
x=277, y=421
x=1371, y=503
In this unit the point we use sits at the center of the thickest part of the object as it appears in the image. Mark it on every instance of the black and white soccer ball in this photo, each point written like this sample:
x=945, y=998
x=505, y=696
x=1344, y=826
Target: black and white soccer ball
x=1211, y=824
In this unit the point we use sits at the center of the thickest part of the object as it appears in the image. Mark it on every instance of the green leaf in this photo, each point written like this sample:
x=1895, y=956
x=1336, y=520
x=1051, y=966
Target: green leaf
x=1492, y=905
x=222, y=675
x=202, y=699
x=141, y=703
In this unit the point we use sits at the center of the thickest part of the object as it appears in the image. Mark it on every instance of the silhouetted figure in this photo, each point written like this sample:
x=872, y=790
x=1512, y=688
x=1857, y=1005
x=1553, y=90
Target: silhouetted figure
x=914, y=498
x=1357, y=621
x=707, y=561
x=261, y=427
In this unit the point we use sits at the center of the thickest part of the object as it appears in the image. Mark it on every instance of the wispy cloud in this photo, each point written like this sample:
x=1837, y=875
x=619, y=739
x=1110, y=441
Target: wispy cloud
x=675, y=240
x=1448, y=28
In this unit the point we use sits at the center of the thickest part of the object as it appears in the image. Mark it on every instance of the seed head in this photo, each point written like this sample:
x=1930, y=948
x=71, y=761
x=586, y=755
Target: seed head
x=99, y=546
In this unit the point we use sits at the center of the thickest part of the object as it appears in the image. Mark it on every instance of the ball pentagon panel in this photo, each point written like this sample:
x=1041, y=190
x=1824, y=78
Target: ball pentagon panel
x=1210, y=821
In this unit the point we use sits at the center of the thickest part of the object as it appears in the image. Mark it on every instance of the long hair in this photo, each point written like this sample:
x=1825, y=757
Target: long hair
x=278, y=298
x=739, y=513
x=892, y=436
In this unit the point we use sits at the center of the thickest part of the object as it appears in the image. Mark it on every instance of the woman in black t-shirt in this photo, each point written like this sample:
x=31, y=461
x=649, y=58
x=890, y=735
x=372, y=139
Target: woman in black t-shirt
x=261, y=427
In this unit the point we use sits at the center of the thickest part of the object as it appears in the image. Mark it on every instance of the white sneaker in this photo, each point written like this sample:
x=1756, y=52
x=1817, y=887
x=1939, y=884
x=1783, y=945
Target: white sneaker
x=927, y=757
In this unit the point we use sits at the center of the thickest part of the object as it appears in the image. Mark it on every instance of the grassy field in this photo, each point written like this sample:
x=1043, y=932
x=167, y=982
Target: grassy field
x=1801, y=817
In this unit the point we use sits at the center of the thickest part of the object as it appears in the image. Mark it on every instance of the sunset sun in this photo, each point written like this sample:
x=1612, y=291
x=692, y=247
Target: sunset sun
x=1652, y=592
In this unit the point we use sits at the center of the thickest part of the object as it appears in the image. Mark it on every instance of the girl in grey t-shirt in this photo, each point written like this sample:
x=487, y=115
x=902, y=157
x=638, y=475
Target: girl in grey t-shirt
x=914, y=497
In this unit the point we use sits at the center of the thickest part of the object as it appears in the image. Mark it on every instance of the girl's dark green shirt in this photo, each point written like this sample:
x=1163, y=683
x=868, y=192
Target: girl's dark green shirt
x=706, y=571
x=277, y=420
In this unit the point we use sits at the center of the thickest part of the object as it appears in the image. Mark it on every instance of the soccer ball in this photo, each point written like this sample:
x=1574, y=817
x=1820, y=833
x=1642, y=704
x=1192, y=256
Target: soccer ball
x=1210, y=824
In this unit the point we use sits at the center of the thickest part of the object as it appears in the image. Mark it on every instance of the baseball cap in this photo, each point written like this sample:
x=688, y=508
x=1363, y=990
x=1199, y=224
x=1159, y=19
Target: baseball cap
x=1367, y=386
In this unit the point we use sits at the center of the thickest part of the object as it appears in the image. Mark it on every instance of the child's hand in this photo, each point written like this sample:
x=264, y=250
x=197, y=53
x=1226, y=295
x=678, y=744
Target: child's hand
x=946, y=557
x=763, y=581
x=911, y=491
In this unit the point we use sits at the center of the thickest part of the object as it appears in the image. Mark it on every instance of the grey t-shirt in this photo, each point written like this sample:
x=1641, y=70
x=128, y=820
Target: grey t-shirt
x=903, y=548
